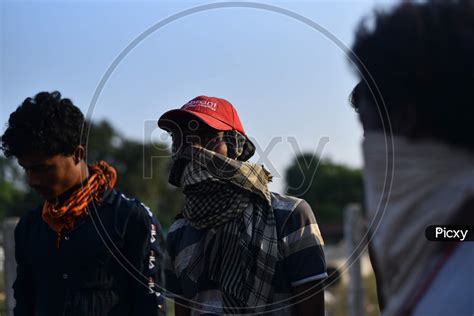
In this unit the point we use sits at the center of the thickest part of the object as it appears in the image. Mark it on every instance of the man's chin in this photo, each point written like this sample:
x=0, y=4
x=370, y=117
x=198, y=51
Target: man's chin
x=47, y=196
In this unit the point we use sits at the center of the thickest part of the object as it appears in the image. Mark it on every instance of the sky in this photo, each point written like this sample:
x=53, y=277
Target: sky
x=289, y=82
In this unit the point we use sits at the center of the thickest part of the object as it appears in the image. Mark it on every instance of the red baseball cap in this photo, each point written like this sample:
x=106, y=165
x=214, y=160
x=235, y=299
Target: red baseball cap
x=216, y=112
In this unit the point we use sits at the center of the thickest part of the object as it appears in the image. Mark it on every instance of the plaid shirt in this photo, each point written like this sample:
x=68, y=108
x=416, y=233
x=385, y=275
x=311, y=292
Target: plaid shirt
x=300, y=258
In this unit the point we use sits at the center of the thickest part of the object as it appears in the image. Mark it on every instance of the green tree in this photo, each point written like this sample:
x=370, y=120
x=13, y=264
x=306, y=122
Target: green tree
x=327, y=186
x=15, y=197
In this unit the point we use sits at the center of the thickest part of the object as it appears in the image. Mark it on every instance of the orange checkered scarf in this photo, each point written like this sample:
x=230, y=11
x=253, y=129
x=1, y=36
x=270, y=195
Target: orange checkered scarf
x=63, y=216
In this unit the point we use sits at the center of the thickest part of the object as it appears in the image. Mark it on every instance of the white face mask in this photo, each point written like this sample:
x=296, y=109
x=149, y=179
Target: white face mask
x=410, y=171
x=413, y=186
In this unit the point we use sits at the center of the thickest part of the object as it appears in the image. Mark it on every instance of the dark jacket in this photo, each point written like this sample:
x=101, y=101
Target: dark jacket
x=104, y=267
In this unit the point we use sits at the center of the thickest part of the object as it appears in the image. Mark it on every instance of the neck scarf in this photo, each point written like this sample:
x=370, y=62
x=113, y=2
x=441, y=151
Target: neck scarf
x=230, y=199
x=430, y=182
x=62, y=216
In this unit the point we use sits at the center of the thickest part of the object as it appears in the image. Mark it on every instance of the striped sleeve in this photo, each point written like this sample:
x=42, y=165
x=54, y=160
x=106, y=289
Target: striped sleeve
x=156, y=260
x=303, y=247
x=143, y=246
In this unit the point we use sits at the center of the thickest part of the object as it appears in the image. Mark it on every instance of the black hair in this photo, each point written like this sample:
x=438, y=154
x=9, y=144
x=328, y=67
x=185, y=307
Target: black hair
x=45, y=124
x=420, y=55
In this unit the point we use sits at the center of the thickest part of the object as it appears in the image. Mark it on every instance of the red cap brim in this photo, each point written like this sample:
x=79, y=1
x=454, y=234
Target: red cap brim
x=175, y=117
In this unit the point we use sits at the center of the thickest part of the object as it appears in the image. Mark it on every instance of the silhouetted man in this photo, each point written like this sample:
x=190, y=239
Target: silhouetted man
x=417, y=69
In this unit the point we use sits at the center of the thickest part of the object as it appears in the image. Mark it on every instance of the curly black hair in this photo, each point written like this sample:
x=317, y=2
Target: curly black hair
x=45, y=124
x=421, y=55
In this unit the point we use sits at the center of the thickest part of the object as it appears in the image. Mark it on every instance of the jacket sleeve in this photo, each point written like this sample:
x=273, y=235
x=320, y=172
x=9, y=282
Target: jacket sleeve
x=144, y=245
x=23, y=285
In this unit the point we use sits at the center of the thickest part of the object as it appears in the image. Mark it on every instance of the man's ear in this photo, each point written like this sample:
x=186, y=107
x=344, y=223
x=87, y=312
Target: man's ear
x=79, y=154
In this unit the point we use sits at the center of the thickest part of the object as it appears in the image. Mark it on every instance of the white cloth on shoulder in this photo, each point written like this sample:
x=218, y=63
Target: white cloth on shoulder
x=429, y=183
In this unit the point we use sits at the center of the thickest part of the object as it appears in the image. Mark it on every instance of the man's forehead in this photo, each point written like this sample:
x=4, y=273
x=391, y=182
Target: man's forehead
x=193, y=126
x=32, y=160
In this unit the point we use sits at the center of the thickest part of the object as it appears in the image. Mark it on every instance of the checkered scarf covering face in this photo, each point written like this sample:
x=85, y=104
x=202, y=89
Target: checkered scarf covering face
x=230, y=198
x=238, y=146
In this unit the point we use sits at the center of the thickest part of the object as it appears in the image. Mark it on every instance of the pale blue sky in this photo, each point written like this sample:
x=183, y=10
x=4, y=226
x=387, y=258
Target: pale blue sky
x=284, y=78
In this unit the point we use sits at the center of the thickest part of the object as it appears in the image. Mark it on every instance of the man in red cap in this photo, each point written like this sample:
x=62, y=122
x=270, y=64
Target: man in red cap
x=236, y=247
